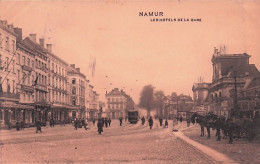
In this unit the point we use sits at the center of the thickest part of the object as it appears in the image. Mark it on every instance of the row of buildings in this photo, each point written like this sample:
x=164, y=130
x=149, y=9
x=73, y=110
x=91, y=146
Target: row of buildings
x=235, y=85
x=36, y=84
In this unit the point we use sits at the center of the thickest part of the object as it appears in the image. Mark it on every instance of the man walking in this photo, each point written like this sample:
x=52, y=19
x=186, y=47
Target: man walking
x=109, y=121
x=100, y=126
x=38, y=126
x=150, y=122
x=121, y=120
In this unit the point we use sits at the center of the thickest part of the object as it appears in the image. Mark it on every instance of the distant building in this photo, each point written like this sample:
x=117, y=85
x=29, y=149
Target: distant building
x=118, y=103
x=76, y=83
x=234, y=84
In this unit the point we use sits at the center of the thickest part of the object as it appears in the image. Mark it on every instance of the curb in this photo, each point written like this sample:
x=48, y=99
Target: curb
x=215, y=155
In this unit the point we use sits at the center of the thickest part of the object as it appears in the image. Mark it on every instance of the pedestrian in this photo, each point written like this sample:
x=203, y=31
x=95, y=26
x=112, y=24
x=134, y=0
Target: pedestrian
x=17, y=125
x=106, y=122
x=100, y=126
x=76, y=124
x=201, y=129
x=22, y=125
x=150, y=122
x=121, y=120
x=181, y=119
x=38, y=126
x=188, y=122
x=109, y=121
x=143, y=120
x=160, y=120
x=93, y=120
x=166, y=123
x=83, y=122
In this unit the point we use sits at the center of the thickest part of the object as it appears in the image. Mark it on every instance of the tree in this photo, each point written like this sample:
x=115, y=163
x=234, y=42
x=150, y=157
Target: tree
x=146, y=98
x=158, y=101
x=174, y=96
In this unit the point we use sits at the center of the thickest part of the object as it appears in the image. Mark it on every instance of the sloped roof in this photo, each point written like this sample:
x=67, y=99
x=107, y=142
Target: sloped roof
x=33, y=46
x=247, y=70
x=116, y=91
x=254, y=83
x=200, y=86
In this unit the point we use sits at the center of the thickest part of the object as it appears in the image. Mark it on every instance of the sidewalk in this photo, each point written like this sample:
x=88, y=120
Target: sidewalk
x=240, y=151
x=217, y=156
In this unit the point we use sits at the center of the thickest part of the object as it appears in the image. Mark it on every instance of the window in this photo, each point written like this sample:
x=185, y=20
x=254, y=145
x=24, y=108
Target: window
x=73, y=90
x=13, y=46
x=7, y=44
x=73, y=101
x=52, y=66
x=18, y=72
x=29, y=79
x=32, y=80
x=13, y=86
x=108, y=99
x=59, y=70
x=113, y=100
x=56, y=69
x=32, y=63
x=8, y=85
x=23, y=60
x=18, y=58
x=73, y=81
x=28, y=62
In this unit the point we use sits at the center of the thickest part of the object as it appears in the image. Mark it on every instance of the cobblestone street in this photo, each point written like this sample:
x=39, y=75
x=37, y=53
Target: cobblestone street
x=131, y=143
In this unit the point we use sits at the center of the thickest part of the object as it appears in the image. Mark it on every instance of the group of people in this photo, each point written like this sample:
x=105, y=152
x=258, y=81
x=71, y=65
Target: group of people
x=103, y=122
x=79, y=123
x=165, y=123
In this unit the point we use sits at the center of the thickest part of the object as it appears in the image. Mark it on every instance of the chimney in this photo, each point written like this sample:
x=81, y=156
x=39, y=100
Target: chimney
x=19, y=32
x=78, y=69
x=41, y=41
x=33, y=37
x=49, y=47
x=72, y=65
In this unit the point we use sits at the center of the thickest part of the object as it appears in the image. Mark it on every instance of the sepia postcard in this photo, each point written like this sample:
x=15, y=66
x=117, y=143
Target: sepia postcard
x=129, y=81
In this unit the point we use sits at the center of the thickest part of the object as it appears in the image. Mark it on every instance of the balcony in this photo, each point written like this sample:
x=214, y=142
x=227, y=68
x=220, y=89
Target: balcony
x=27, y=88
x=27, y=68
x=41, y=88
x=9, y=96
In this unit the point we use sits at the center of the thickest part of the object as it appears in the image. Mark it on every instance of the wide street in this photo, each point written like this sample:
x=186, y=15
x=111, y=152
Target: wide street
x=130, y=143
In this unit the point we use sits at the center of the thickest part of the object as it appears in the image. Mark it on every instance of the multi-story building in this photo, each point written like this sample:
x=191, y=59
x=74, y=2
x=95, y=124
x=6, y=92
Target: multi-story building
x=8, y=93
x=57, y=86
x=76, y=86
x=25, y=64
x=118, y=103
x=234, y=79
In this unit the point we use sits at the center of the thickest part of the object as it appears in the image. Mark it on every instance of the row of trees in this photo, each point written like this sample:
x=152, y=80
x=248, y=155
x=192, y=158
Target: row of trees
x=153, y=99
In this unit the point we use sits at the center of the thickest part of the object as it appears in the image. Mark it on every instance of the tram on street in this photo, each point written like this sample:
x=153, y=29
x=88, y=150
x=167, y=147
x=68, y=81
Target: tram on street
x=133, y=116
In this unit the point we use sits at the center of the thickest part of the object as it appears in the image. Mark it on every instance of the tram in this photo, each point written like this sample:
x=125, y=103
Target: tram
x=133, y=116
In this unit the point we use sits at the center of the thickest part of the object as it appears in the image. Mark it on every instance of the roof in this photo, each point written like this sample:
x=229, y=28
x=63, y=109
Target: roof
x=116, y=91
x=255, y=82
x=200, y=86
x=242, y=71
x=34, y=46
x=75, y=71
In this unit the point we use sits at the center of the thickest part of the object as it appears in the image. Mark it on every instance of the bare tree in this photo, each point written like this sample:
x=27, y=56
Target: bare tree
x=146, y=98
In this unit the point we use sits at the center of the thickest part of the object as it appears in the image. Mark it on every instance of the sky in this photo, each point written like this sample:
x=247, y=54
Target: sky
x=130, y=50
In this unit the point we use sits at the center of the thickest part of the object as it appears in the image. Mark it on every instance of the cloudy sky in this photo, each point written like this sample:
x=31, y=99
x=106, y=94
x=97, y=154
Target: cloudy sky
x=130, y=50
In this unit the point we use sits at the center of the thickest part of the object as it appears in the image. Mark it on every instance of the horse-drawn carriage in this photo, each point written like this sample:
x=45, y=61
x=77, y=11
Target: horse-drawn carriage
x=237, y=126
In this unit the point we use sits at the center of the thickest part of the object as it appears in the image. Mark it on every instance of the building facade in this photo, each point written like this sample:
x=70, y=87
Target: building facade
x=118, y=103
x=233, y=80
x=8, y=93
